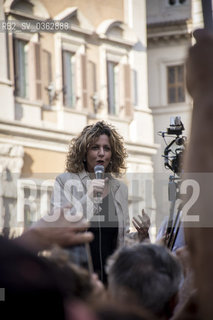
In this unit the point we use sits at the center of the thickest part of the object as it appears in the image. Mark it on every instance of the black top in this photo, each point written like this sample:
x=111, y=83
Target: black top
x=104, y=226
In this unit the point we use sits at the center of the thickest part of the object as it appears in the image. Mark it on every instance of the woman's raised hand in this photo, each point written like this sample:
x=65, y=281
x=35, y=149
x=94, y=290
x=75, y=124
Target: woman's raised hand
x=142, y=225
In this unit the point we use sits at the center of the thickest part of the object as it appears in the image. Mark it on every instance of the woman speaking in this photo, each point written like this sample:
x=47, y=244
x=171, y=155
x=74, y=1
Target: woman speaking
x=103, y=201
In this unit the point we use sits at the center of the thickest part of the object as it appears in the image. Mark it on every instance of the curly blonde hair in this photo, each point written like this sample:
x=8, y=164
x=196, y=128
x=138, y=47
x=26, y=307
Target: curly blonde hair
x=79, y=146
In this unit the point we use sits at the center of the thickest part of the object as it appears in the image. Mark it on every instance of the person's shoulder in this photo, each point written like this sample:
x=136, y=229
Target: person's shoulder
x=63, y=177
x=120, y=184
x=124, y=188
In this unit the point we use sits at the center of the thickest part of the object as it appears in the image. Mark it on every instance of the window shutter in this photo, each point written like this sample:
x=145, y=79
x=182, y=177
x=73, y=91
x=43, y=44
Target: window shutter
x=38, y=81
x=11, y=58
x=127, y=90
x=175, y=84
x=76, y=80
x=92, y=85
x=84, y=93
x=15, y=67
x=64, y=78
x=69, y=79
x=46, y=75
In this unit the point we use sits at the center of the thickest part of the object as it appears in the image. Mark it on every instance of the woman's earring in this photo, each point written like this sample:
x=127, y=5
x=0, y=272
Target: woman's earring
x=84, y=160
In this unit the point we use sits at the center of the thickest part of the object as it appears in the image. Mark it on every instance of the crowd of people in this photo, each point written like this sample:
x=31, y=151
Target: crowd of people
x=84, y=263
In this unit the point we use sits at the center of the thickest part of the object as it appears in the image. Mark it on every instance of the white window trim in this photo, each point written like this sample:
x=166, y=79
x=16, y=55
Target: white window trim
x=118, y=55
x=31, y=71
x=114, y=75
x=163, y=82
x=76, y=45
x=27, y=37
x=72, y=57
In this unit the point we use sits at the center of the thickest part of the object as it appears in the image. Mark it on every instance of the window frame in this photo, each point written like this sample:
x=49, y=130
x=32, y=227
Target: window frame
x=119, y=56
x=31, y=40
x=21, y=63
x=177, y=84
x=76, y=45
x=113, y=90
x=47, y=77
x=162, y=81
x=69, y=78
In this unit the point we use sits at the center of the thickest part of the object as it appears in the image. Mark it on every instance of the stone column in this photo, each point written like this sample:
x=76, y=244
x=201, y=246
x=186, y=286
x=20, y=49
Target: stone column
x=11, y=162
x=6, y=89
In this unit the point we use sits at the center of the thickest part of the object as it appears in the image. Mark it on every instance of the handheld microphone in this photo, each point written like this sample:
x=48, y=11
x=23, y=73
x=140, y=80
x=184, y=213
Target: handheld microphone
x=99, y=171
x=99, y=174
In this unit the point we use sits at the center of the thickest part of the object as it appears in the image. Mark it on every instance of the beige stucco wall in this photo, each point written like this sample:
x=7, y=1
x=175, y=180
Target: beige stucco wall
x=95, y=11
x=44, y=133
x=49, y=115
x=37, y=161
x=47, y=43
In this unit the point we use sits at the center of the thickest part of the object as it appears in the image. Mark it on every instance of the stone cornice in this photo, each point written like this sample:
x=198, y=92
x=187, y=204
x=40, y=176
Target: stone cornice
x=15, y=13
x=168, y=31
x=171, y=109
x=168, y=23
x=55, y=140
x=135, y=148
x=33, y=136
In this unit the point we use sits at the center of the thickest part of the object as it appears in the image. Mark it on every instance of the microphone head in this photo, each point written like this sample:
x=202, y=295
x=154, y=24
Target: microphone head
x=99, y=171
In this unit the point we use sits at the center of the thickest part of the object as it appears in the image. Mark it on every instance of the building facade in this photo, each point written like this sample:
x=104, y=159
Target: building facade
x=66, y=64
x=170, y=25
x=92, y=66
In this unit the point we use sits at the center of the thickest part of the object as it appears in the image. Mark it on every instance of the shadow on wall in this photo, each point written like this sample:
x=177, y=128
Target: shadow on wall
x=27, y=167
x=140, y=47
x=18, y=112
